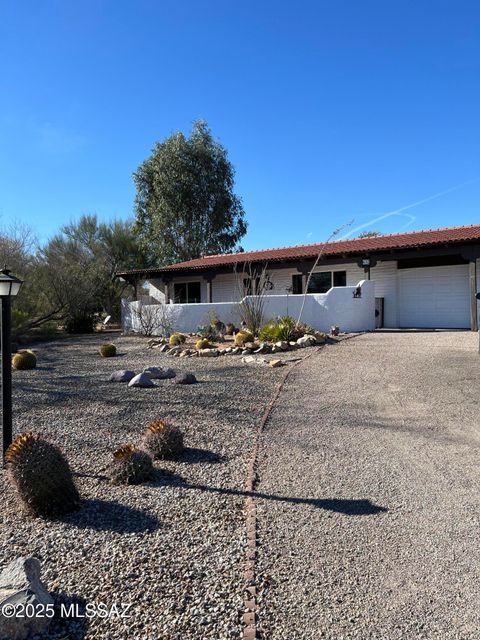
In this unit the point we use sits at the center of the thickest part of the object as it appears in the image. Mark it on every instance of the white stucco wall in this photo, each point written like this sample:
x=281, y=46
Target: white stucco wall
x=225, y=287
x=321, y=311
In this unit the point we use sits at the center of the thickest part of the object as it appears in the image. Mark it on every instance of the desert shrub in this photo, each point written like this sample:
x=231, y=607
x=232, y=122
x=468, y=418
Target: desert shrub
x=24, y=359
x=177, y=339
x=41, y=476
x=284, y=328
x=203, y=343
x=229, y=329
x=243, y=337
x=163, y=440
x=108, y=350
x=206, y=331
x=130, y=466
x=80, y=324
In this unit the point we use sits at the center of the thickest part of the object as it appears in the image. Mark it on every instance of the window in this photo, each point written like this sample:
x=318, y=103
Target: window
x=322, y=281
x=297, y=283
x=339, y=278
x=186, y=292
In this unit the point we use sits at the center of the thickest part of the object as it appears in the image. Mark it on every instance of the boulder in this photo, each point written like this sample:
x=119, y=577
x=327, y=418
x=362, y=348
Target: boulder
x=276, y=363
x=174, y=351
x=281, y=345
x=20, y=585
x=143, y=381
x=185, y=378
x=159, y=373
x=124, y=375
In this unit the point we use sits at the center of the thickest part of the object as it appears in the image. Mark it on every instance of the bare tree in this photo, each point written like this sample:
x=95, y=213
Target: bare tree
x=252, y=283
x=154, y=319
x=323, y=246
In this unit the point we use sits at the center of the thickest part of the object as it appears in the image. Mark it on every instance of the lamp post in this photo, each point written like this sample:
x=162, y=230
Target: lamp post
x=9, y=288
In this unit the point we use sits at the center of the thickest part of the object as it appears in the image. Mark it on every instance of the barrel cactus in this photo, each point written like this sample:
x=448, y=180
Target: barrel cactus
x=203, y=343
x=130, y=465
x=108, y=350
x=24, y=359
x=242, y=337
x=41, y=476
x=176, y=339
x=163, y=440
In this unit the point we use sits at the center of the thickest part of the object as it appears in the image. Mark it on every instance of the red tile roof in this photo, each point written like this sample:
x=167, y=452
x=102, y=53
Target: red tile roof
x=412, y=239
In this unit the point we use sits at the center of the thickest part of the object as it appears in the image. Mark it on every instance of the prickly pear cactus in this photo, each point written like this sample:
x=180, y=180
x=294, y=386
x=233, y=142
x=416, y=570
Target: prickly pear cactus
x=163, y=440
x=41, y=476
x=130, y=466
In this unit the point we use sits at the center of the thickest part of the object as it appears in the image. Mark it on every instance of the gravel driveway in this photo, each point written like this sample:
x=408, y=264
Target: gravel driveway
x=172, y=548
x=369, y=468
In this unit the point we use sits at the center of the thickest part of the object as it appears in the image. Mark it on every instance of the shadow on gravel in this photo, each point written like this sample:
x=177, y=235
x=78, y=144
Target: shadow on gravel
x=192, y=455
x=339, y=505
x=107, y=515
x=69, y=621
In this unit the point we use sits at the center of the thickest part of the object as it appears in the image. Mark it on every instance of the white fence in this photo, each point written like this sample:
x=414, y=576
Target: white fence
x=338, y=306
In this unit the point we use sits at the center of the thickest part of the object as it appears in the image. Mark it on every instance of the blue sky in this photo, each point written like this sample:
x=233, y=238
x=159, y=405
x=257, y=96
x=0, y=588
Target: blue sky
x=330, y=111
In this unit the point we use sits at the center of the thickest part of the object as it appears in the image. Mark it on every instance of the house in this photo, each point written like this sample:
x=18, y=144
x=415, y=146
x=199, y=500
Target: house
x=422, y=279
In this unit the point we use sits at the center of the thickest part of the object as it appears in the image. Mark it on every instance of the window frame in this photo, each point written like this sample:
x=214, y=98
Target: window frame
x=189, y=299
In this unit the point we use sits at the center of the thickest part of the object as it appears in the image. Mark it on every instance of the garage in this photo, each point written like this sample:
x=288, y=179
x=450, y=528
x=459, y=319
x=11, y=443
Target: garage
x=434, y=297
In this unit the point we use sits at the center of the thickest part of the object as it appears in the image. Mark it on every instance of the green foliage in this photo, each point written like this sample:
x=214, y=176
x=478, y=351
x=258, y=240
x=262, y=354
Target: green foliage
x=242, y=337
x=177, y=339
x=41, y=476
x=108, y=350
x=130, y=466
x=203, y=343
x=19, y=318
x=284, y=329
x=206, y=331
x=163, y=440
x=185, y=204
x=24, y=359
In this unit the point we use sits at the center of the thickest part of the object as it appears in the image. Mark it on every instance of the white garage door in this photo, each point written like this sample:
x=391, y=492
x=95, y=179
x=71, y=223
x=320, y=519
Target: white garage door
x=434, y=297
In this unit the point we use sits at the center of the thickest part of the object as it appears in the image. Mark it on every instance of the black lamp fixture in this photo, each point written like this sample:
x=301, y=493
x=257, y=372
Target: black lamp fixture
x=9, y=288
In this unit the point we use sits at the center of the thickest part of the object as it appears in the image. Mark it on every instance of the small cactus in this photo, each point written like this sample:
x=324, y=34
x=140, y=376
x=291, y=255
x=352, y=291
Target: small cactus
x=130, y=466
x=176, y=339
x=24, y=359
x=203, y=343
x=243, y=337
x=163, y=440
x=41, y=476
x=108, y=350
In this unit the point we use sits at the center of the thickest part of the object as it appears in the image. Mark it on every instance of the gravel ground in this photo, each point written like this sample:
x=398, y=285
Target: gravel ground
x=172, y=548
x=368, y=527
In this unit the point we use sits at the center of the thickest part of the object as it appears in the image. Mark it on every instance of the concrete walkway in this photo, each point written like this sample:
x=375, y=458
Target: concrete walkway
x=370, y=469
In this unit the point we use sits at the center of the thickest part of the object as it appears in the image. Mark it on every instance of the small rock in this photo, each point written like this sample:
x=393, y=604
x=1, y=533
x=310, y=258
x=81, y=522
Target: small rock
x=143, y=381
x=248, y=359
x=276, y=363
x=124, y=375
x=20, y=586
x=306, y=341
x=186, y=378
x=236, y=351
x=208, y=353
x=165, y=347
x=282, y=345
x=246, y=352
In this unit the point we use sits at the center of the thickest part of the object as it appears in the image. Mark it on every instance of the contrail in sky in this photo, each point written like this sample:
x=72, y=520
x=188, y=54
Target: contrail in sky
x=399, y=212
